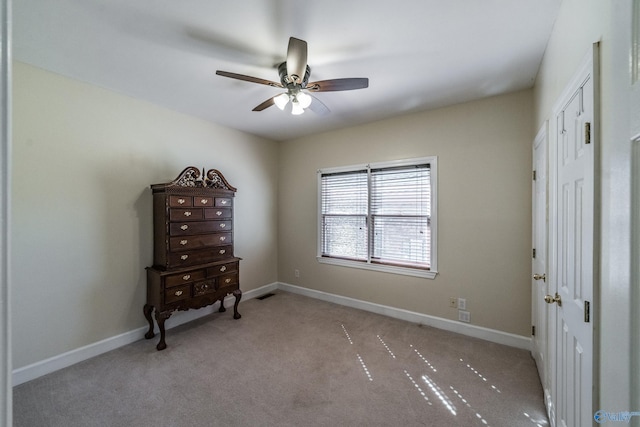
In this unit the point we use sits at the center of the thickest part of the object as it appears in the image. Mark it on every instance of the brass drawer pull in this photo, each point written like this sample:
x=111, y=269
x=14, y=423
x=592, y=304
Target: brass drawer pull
x=224, y=201
x=178, y=293
x=227, y=281
x=223, y=225
x=187, y=213
x=183, y=242
x=181, y=201
x=223, y=238
x=223, y=268
x=184, y=227
x=183, y=257
x=219, y=213
x=186, y=277
x=204, y=201
x=222, y=251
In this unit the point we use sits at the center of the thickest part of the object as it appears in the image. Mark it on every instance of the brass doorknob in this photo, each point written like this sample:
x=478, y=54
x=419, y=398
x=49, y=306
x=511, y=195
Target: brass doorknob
x=540, y=277
x=550, y=300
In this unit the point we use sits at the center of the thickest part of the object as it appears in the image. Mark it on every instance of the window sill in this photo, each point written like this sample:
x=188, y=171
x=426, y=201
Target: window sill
x=378, y=267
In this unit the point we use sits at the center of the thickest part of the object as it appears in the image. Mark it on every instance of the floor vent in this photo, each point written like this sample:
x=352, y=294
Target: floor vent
x=265, y=296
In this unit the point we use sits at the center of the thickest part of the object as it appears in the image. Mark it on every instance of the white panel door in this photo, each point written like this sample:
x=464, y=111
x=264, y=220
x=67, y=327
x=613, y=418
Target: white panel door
x=574, y=254
x=539, y=309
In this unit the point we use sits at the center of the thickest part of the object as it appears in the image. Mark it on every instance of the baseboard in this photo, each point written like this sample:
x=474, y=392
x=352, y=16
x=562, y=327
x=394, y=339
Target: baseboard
x=486, y=334
x=47, y=366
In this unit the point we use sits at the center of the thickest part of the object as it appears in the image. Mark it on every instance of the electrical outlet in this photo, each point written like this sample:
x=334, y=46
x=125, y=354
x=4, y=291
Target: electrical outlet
x=296, y=272
x=453, y=303
x=464, y=316
x=462, y=303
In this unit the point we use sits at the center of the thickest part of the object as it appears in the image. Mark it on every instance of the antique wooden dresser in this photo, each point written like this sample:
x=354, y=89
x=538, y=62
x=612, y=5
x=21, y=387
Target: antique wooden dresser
x=193, y=259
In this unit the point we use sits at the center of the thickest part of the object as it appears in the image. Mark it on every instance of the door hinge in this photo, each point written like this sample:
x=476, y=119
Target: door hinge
x=534, y=252
x=534, y=175
x=587, y=311
x=533, y=330
x=587, y=133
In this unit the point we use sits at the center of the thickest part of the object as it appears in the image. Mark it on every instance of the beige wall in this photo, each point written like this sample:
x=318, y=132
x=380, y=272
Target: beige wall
x=83, y=160
x=484, y=210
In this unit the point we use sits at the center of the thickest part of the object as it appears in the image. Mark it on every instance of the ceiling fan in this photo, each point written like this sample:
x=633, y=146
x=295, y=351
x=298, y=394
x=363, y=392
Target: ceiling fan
x=294, y=77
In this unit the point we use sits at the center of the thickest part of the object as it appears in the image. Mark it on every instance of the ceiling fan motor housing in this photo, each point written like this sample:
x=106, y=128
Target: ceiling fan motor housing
x=286, y=82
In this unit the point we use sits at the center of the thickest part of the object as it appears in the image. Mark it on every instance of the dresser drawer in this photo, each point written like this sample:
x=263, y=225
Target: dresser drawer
x=177, y=293
x=180, y=201
x=198, y=241
x=196, y=227
x=185, y=214
x=222, y=269
x=217, y=213
x=228, y=280
x=202, y=201
x=183, y=278
x=223, y=202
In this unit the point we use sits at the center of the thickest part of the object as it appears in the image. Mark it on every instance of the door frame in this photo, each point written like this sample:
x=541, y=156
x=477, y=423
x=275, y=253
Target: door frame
x=629, y=41
x=5, y=209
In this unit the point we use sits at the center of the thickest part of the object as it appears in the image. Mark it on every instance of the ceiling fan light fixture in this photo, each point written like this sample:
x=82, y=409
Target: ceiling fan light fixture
x=281, y=100
x=296, y=108
x=303, y=99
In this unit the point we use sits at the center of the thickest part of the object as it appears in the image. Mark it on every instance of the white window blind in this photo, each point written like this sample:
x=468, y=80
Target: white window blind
x=400, y=210
x=344, y=215
x=379, y=215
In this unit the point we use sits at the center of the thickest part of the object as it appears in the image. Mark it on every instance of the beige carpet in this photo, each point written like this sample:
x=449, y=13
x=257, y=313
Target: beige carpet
x=293, y=361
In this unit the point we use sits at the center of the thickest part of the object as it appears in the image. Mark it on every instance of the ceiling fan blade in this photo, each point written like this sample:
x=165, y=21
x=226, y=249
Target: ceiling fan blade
x=318, y=107
x=296, y=59
x=266, y=104
x=248, y=78
x=338, y=85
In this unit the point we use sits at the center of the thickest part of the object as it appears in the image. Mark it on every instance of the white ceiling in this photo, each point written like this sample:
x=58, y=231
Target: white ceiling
x=417, y=54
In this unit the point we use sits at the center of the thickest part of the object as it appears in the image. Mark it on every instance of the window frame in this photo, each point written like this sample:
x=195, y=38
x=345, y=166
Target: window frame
x=368, y=264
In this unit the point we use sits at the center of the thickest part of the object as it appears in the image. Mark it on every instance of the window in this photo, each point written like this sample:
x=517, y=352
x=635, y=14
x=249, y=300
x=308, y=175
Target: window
x=379, y=216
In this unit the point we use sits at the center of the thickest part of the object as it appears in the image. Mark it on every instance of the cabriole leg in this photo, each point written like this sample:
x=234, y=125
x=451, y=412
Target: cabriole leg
x=238, y=294
x=148, y=309
x=160, y=318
